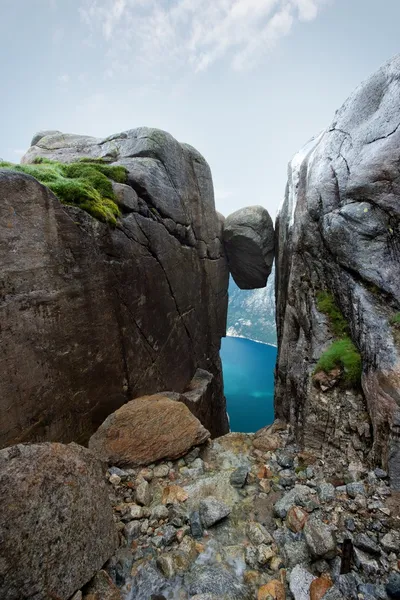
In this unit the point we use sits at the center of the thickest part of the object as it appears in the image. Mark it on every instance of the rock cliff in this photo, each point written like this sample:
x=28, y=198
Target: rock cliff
x=338, y=282
x=94, y=315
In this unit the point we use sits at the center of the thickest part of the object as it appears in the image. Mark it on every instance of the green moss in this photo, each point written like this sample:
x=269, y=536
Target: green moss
x=395, y=320
x=86, y=184
x=327, y=305
x=343, y=354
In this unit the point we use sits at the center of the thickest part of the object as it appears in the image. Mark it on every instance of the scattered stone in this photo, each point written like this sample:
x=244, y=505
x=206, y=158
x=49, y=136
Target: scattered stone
x=143, y=496
x=159, y=512
x=264, y=554
x=132, y=530
x=115, y=480
x=196, y=527
x=212, y=510
x=101, y=588
x=380, y=473
x=146, y=474
x=296, y=518
x=333, y=594
x=298, y=495
x=191, y=456
x=116, y=471
x=136, y=512
x=166, y=565
x=320, y=586
x=365, y=562
x=350, y=524
x=239, y=477
x=296, y=553
x=168, y=535
x=326, y=492
x=355, y=488
x=257, y=534
x=300, y=583
x=391, y=542
x=364, y=542
x=284, y=459
x=393, y=586
x=173, y=494
x=161, y=471
x=320, y=538
x=129, y=437
x=274, y=589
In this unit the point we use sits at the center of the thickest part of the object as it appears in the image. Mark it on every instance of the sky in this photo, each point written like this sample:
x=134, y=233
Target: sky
x=247, y=82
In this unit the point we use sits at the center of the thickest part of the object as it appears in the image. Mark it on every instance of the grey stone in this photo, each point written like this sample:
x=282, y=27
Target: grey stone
x=333, y=594
x=41, y=134
x=54, y=511
x=350, y=524
x=165, y=563
x=348, y=586
x=365, y=562
x=364, y=542
x=297, y=496
x=159, y=512
x=192, y=455
x=168, y=534
x=356, y=488
x=212, y=510
x=300, y=582
x=135, y=512
x=119, y=472
x=257, y=534
x=391, y=541
x=161, y=471
x=143, y=495
x=284, y=459
x=380, y=473
x=196, y=527
x=320, y=538
x=326, y=492
x=132, y=530
x=296, y=553
x=239, y=477
x=249, y=245
x=216, y=580
x=393, y=586
x=148, y=581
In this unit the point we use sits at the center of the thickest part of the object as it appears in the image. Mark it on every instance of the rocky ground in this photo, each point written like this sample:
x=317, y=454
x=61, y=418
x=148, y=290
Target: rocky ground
x=250, y=516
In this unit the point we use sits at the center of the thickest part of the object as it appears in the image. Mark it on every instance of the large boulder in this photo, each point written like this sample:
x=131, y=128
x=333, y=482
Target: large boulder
x=56, y=521
x=249, y=245
x=93, y=315
x=147, y=429
x=338, y=275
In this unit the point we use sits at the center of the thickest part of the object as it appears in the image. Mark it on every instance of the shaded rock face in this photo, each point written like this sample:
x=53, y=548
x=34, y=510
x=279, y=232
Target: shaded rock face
x=95, y=315
x=338, y=230
x=249, y=245
x=146, y=430
x=56, y=522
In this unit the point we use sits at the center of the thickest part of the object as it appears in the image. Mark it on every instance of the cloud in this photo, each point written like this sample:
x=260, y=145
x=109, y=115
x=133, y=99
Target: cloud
x=63, y=79
x=192, y=33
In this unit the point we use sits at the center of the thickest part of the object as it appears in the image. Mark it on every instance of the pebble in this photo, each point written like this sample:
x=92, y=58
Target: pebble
x=161, y=471
x=320, y=538
x=239, y=477
x=115, y=479
x=196, y=527
x=143, y=496
x=212, y=510
x=393, y=586
x=355, y=488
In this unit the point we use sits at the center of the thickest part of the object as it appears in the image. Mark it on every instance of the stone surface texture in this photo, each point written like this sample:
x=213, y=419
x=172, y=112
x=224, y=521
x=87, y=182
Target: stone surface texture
x=249, y=244
x=338, y=230
x=147, y=429
x=96, y=315
x=56, y=522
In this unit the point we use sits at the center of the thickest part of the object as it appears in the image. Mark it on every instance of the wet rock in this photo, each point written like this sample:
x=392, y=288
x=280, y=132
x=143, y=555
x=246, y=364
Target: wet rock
x=249, y=244
x=101, y=588
x=296, y=518
x=273, y=589
x=393, y=586
x=212, y=510
x=320, y=538
x=239, y=477
x=196, y=526
x=54, y=512
x=130, y=437
x=300, y=583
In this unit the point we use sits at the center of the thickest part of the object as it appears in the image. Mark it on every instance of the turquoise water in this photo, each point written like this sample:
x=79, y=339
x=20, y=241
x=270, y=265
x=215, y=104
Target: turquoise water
x=249, y=383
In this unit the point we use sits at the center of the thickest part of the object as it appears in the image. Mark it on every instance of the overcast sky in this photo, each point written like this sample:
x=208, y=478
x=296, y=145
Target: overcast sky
x=247, y=82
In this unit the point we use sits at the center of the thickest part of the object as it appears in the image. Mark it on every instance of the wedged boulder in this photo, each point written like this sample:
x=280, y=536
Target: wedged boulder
x=147, y=429
x=56, y=521
x=249, y=244
x=338, y=263
x=104, y=314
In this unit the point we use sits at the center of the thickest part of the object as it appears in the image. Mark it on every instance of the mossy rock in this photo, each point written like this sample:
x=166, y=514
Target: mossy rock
x=343, y=354
x=86, y=184
x=326, y=304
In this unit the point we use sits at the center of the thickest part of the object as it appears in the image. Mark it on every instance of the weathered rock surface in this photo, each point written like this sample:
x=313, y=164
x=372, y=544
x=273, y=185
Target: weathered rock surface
x=93, y=316
x=338, y=230
x=249, y=244
x=56, y=522
x=147, y=429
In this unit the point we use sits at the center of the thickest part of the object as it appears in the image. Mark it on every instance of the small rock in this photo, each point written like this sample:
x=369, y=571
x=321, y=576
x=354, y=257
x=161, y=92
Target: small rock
x=159, y=512
x=265, y=485
x=119, y=472
x=296, y=553
x=166, y=565
x=284, y=460
x=136, y=512
x=355, y=488
x=143, y=495
x=380, y=473
x=257, y=534
x=326, y=492
x=196, y=527
x=364, y=542
x=239, y=477
x=391, y=542
x=299, y=495
x=173, y=494
x=296, y=518
x=115, y=479
x=192, y=455
x=212, y=510
x=101, y=587
x=169, y=535
x=320, y=538
x=77, y=596
x=264, y=554
x=365, y=562
x=144, y=527
x=300, y=583
x=161, y=471
x=276, y=563
x=273, y=589
x=132, y=530
x=320, y=586
x=393, y=586
x=333, y=594
x=350, y=524
x=146, y=474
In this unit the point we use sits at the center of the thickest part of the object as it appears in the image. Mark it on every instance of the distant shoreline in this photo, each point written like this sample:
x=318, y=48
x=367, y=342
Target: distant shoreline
x=243, y=337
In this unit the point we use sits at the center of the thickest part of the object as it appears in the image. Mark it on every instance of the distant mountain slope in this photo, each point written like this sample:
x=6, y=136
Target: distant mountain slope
x=251, y=313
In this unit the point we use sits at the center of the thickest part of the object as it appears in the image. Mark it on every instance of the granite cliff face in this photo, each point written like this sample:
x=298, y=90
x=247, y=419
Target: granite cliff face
x=92, y=315
x=338, y=278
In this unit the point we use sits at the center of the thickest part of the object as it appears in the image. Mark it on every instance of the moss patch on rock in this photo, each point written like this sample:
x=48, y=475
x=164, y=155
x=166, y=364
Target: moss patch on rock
x=342, y=352
x=86, y=184
x=395, y=320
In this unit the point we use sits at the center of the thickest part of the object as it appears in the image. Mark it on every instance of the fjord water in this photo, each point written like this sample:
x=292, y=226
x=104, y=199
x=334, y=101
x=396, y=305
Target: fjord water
x=248, y=369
